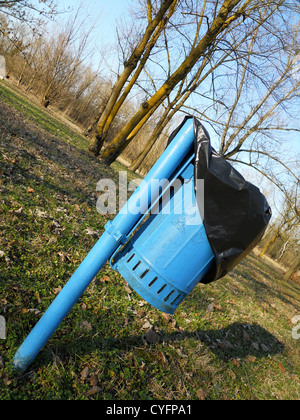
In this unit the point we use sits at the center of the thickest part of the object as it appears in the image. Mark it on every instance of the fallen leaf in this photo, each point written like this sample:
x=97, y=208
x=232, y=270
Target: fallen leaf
x=105, y=279
x=201, y=394
x=19, y=211
x=61, y=210
x=181, y=354
x=85, y=373
x=91, y=232
x=37, y=295
x=281, y=368
x=77, y=208
x=265, y=348
x=93, y=391
x=162, y=358
x=54, y=225
x=139, y=313
x=30, y=190
x=93, y=380
x=57, y=290
x=246, y=336
x=41, y=214
x=151, y=337
x=147, y=325
x=52, y=240
x=128, y=290
x=35, y=311
x=86, y=326
x=9, y=159
x=167, y=317
x=63, y=257
x=5, y=379
x=225, y=344
x=250, y=358
x=210, y=308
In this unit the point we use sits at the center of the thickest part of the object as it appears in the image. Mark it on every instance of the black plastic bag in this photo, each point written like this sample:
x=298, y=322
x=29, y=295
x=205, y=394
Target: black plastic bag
x=236, y=213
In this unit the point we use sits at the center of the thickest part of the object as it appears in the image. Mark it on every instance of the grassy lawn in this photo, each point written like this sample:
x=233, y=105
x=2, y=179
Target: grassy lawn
x=42, y=117
x=229, y=340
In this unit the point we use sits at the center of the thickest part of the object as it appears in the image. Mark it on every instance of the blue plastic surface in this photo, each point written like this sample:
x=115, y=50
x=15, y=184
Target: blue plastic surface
x=170, y=253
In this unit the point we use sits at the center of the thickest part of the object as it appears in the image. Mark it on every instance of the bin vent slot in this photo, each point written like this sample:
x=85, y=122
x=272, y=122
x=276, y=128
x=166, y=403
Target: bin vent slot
x=132, y=256
x=169, y=295
x=177, y=298
x=144, y=274
x=147, y=282
x=153, y=281
x=136, y=266
x=162, y=289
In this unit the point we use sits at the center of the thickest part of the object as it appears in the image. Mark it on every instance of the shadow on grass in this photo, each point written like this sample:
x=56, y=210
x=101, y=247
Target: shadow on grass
x=237, y=341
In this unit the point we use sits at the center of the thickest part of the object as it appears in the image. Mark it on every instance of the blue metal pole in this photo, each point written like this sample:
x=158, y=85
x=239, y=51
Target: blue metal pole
x=115, y=234
x=64, y=302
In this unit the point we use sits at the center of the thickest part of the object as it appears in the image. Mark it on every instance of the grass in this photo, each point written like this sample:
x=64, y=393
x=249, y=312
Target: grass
x=44, y=118
x=230, y=340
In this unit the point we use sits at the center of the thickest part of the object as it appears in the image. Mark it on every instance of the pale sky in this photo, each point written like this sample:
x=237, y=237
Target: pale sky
x=105, y=11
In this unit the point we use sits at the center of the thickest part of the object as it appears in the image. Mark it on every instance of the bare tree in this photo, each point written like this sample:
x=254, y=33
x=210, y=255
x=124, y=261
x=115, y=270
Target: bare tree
x=287, y=220
x=248, y=103
x=230, y=14
x=60, y=62
x=157, y=19
x=29, y=54
x=29, y=12
x=190, y=83
x=251, y=109
x=284, y=235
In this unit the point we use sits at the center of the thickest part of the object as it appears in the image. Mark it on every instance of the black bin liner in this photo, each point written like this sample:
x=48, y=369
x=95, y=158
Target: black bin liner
x=236, y=213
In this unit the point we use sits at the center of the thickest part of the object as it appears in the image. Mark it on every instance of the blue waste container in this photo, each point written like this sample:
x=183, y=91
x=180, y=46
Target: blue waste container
x=165, y=253
x=162, y=254
x=170, y=253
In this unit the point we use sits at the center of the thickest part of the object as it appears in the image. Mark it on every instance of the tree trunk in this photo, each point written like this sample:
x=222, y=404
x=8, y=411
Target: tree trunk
x=45, y=102
x=96, y=144
x=221, y=23
x=30, y=83
x=282, y=252
x=162, y=123
x=268, y=244
x=295, y=267
x=140, y=159
x=130, y=66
